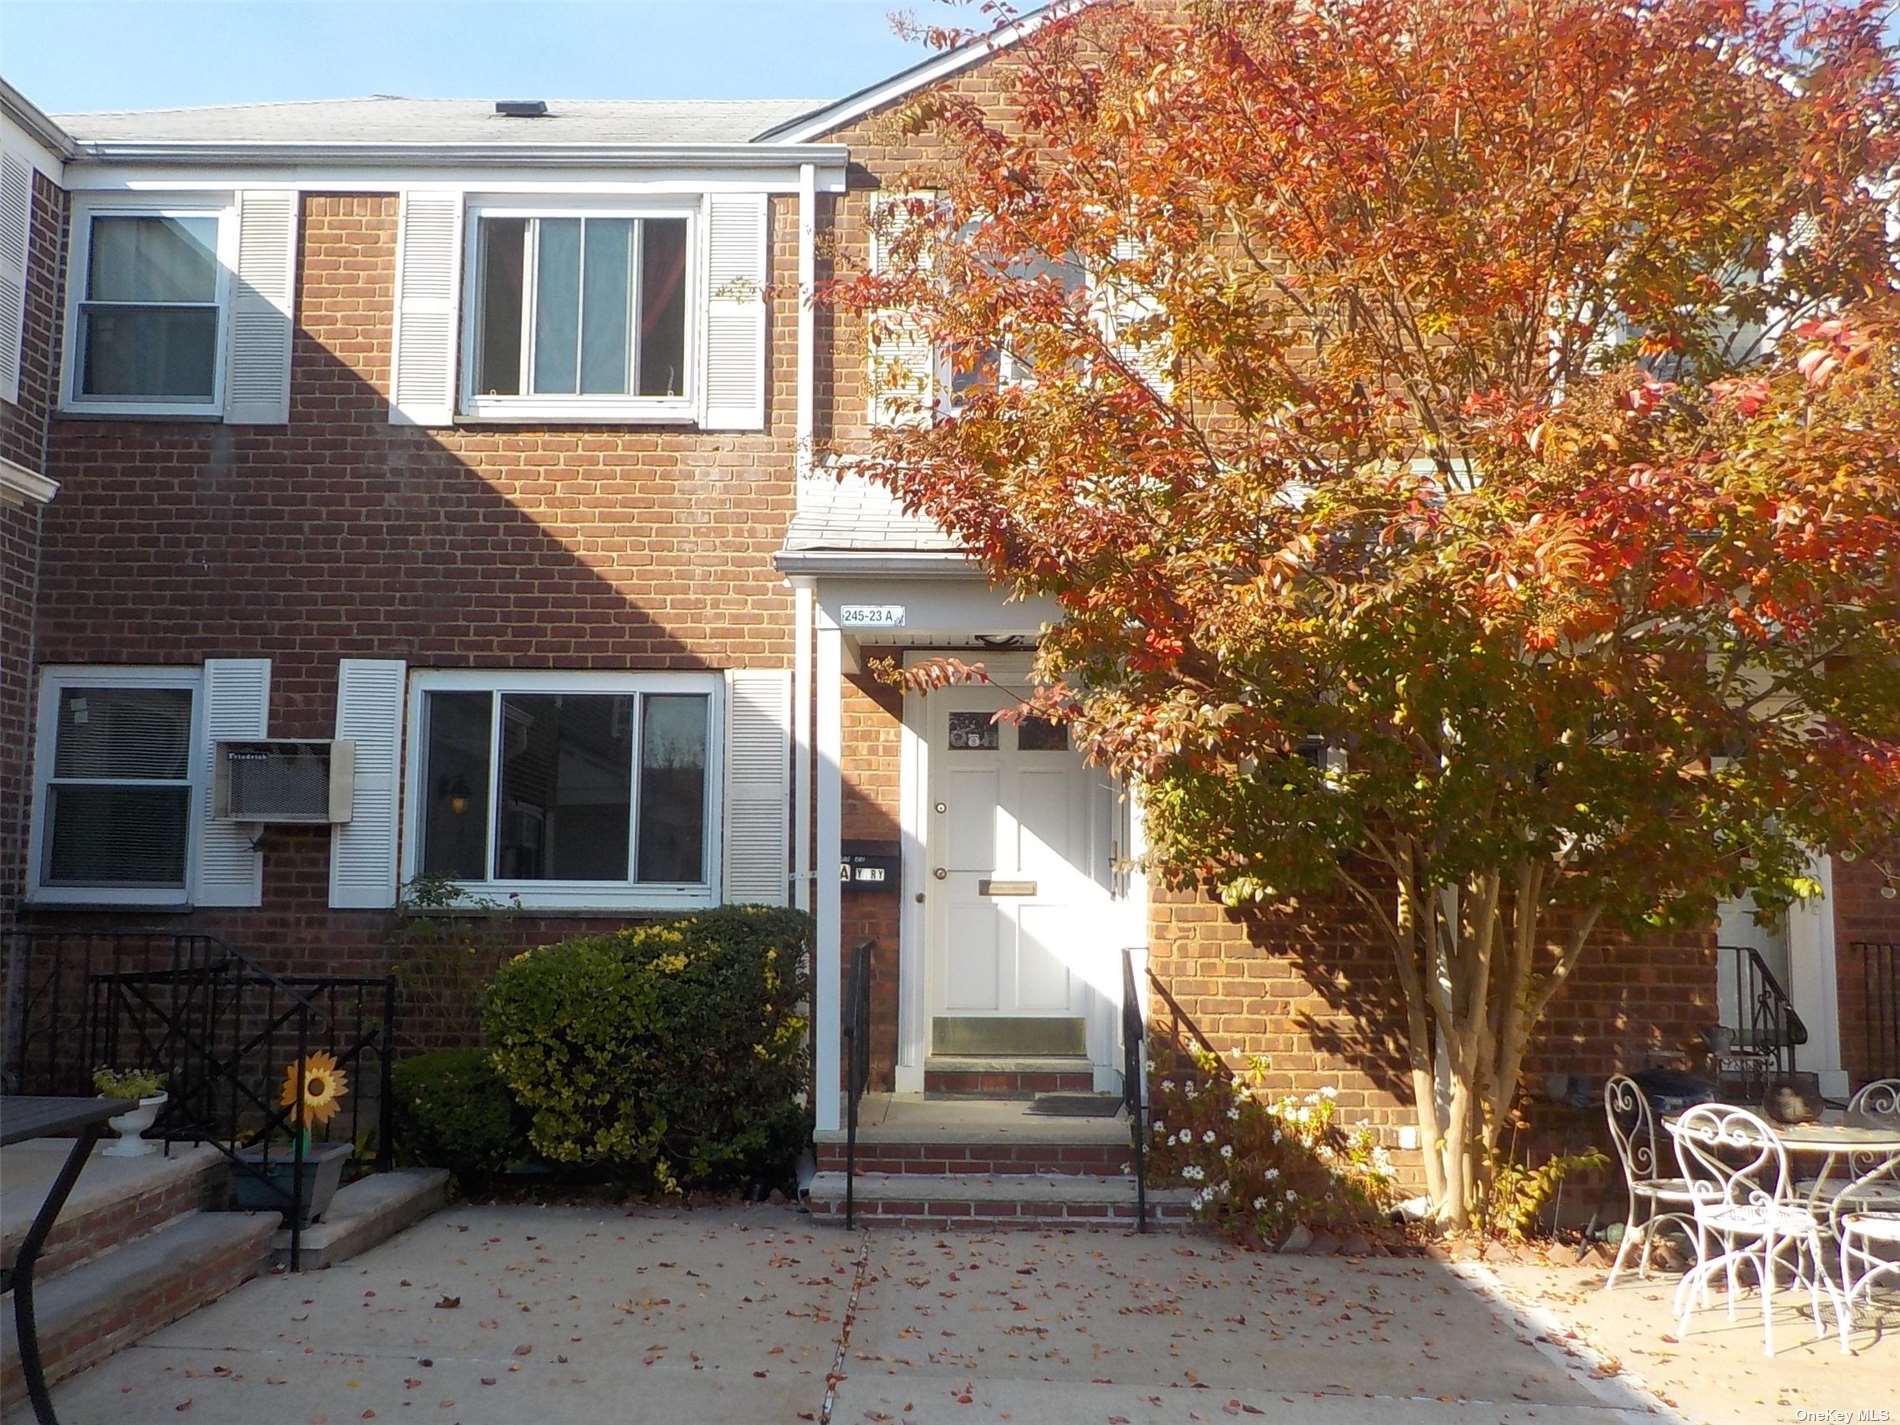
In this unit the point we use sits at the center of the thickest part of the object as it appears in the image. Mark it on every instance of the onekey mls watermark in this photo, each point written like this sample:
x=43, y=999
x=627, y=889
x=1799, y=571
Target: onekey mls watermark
x=1865, y=1415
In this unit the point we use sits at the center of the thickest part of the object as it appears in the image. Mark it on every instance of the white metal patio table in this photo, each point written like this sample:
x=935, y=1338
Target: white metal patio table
x=1833, y=1139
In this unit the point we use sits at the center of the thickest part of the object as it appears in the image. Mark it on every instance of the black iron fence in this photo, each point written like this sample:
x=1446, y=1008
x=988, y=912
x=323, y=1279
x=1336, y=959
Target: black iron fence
x=857, y=1064
x=221, y=1029
x=1759, y=1029
x=1880, y=987
x=1134, y=1035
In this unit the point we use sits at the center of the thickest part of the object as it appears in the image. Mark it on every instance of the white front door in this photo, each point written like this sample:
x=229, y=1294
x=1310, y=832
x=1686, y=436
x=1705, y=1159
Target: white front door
x=1018, y=873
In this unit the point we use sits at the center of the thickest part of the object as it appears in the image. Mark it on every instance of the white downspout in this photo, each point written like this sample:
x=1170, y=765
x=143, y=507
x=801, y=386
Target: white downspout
x=801, y=743
x=828, y=934
x=807, y=315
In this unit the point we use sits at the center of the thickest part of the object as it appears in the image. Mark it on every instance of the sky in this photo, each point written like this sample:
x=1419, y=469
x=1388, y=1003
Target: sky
x=72, y=56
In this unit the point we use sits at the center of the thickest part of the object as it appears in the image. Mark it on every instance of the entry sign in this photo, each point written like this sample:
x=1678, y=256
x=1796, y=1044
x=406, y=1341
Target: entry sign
x=871, y=616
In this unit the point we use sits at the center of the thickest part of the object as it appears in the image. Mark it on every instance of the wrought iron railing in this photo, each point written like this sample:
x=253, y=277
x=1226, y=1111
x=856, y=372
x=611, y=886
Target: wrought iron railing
x=1134, y=1034
x=1880, y=984
x=857, y=1065
x=220, y=1028
x=1763, y=1025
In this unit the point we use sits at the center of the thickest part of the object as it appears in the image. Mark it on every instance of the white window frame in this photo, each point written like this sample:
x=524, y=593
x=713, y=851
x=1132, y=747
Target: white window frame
x=54, y=681
x=166, y=205
x=571, y=895
x=682, y=409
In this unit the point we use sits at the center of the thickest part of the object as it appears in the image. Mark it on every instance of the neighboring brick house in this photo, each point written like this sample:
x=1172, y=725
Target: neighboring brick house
x=498, y=445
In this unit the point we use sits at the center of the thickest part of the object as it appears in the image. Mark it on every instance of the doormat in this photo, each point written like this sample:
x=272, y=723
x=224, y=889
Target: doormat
x=1076, y=1105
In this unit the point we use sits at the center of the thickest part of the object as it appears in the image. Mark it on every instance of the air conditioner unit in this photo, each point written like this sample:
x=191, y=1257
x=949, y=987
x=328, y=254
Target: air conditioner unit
x=279, y=780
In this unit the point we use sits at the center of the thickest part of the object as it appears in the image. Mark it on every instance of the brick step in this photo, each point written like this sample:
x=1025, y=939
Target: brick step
x=990, y=1202
x=935, y=1157
x=952, y=1076
x=127, y=1293
x=115, y=1199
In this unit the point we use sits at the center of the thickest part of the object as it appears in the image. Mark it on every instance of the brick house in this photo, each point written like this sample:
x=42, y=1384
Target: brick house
x=487, y=438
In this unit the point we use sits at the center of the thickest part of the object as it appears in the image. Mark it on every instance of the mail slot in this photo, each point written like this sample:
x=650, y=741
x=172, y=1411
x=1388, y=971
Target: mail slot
x=870, y=866
x=1005, y=888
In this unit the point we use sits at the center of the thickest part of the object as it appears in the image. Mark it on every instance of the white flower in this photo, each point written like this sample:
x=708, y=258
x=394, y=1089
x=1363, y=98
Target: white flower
x=1292, y=1196
x=1151, y=1066
x=1160, y=1127
x=1329, y=1092
x=1272, y=1173
x=1276, y=1135
x=1197, y=1200
x=1187, y=1135
x=1312, y=1098
x=1190, y=1088
x=1260, y=1204
x=1192, y=1173
x=1227, y=1150
x=1208, y=1137
x=1234, y=1113
x=1167, y=1085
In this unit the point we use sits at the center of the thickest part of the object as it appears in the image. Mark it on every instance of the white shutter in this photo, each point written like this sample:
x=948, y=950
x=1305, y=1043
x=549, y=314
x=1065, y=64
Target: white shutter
x=16, y=226
x=237, y=707
x=428, y=291
x=257, y=388
x=735, y=261
x=758, y=786
x=1127, y=302
x=369, y=711
x=902, y=377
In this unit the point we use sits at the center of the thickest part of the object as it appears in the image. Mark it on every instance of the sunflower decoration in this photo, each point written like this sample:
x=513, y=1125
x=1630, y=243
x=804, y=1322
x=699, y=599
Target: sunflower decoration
x=320, y=1084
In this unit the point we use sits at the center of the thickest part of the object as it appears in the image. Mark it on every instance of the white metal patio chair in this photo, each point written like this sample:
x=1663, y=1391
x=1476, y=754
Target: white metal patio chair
x=1737, y=1171
x=1879, y=1099
x=1654, y=1199
x=1861, y=1229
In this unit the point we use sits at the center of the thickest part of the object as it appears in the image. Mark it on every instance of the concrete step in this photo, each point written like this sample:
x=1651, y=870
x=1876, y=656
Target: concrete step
x=934, y=1158
x=907, y=1133
x=363, y=1214
x=125, y=1294
x=991, y=1201
x=114, y=1200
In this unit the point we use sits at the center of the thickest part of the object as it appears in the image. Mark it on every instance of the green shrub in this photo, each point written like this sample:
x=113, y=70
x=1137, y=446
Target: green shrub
x=454, y=1111
x=669, y=1053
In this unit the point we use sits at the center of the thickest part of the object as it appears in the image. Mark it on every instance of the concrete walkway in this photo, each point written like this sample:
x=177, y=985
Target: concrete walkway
x=517, y=1316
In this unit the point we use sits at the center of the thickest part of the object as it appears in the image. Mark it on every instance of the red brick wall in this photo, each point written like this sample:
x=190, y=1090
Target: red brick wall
x=23, y=441
x=1867, y=976
x=340, y=535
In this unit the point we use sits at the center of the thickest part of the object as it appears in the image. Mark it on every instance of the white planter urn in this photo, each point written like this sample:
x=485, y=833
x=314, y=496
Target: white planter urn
x=130, y=1126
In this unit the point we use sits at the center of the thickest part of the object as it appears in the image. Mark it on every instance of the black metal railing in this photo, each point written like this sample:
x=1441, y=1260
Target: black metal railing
x=1880, y=983
x=1764, y=1028
x=220, y=1028
x=857, y=1065
x=1134, y=1033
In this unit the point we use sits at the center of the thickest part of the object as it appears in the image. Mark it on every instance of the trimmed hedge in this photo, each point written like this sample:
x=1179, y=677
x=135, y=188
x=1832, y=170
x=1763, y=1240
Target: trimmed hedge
x=669, y=1053
x=453, y=1111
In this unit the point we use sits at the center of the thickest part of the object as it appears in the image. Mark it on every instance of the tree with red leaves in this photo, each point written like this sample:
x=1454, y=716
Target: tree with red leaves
x=1504, y=394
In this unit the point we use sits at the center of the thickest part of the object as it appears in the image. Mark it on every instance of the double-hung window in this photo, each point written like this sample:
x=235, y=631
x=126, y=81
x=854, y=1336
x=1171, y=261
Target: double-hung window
x=118, y=777
x=149, y=310
x=579, y=312
x=567, y=789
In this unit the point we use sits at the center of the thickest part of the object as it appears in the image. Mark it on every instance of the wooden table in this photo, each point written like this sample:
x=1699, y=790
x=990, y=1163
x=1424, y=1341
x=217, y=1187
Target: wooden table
x=21, y=1118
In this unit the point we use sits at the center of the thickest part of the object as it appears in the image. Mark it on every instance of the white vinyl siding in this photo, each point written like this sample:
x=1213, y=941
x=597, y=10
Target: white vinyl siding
x=428, y=282
x=567, y=791
x=369, y=711
x=758, y=786
x=16, y=232
x=735, y=265
x=263, y=302
x=148, y=306
x=119, y=777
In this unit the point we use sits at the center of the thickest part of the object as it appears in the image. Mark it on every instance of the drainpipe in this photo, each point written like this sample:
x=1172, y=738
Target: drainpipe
x=807, y=316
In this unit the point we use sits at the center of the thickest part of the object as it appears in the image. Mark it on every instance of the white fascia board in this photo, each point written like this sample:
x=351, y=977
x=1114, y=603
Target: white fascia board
x=895, y=565
x=24, y=485
x=806, y=127
x=28, y=132
x=771, y=172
